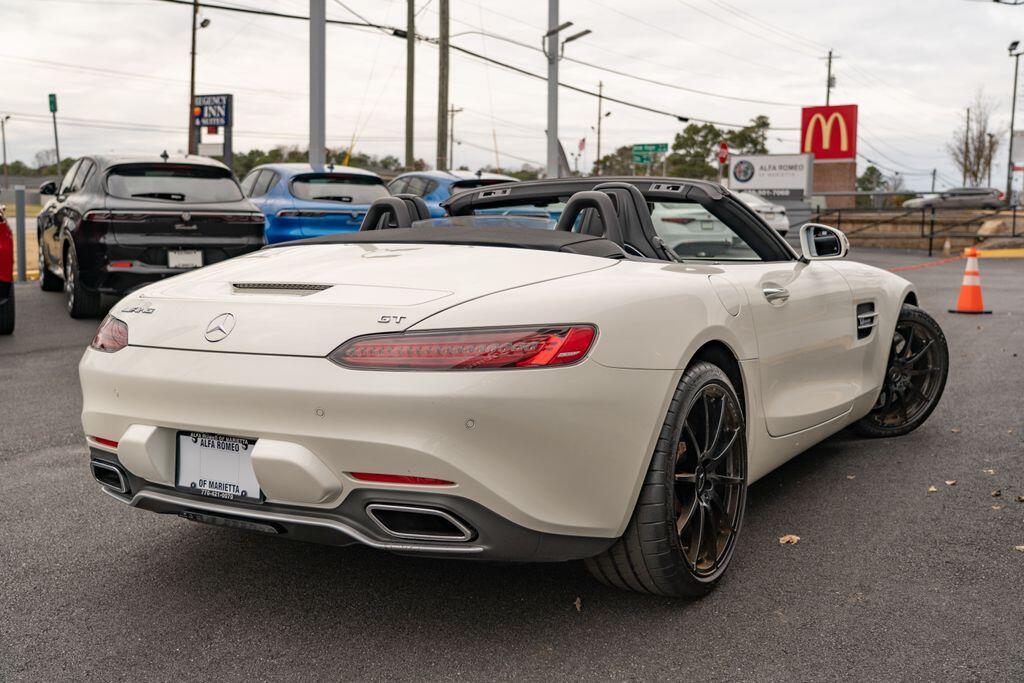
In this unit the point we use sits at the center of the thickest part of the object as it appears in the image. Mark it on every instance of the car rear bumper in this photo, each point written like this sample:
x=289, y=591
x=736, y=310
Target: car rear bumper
x=558, y=451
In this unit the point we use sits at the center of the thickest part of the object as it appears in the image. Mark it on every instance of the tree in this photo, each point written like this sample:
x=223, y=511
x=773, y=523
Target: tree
x=872, y=180
x=694, y=151
x=973, y=147
x=619, y=162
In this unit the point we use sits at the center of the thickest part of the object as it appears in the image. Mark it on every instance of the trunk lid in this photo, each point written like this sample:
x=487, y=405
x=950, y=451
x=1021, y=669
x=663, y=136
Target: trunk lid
x=305, y=300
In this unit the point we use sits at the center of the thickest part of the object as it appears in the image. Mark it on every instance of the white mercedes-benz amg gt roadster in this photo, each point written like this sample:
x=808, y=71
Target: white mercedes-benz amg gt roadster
x=494, y=385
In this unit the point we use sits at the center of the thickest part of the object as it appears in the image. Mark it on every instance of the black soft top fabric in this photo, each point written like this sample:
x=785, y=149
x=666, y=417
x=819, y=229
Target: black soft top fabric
x=517, y=238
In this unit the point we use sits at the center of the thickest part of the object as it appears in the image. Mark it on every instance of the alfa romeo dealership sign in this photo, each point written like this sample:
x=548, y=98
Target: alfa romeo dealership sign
x=772, y=175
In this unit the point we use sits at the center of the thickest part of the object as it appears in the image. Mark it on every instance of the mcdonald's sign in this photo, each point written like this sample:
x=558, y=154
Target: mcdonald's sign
x=829, y=132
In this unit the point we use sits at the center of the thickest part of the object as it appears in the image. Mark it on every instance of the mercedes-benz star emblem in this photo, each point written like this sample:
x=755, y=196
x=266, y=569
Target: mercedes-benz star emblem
x=220, y=327
x=186, y=216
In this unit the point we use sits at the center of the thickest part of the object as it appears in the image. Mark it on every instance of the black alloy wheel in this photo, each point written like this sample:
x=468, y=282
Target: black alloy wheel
x=47, y=280
x=687, y=519
x=82, y=302
x=914, y=377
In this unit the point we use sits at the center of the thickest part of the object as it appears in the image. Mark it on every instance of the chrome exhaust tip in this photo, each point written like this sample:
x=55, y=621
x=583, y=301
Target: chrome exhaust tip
x=109, y=476
x=419, y=523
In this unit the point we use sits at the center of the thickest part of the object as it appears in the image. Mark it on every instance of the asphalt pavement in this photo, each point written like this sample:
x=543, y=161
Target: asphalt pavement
x=888, y=581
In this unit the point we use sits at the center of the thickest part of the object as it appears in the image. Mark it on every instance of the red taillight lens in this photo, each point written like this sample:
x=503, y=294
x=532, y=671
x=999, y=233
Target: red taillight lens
x=521, y=347
x=680, y=221
x=399, y=479
x=109, y=443
x=112, y=335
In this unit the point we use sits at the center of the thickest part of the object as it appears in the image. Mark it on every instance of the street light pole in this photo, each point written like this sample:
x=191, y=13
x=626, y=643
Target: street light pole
x=3, y=136
x=192, y=144
x=318, y=83
x=552, y=49
x=442, y=88
x=410, y=75
x=1013, y=113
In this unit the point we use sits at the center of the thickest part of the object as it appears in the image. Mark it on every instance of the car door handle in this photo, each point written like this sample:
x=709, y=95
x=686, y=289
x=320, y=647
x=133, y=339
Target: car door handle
x=776, y=294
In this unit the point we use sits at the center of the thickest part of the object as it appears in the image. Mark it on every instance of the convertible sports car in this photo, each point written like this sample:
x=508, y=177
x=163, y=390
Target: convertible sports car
x=481, y=386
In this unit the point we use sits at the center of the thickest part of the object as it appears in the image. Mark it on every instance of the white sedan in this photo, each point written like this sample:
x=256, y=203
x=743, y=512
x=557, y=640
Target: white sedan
x=773, y=214
x=478, y=386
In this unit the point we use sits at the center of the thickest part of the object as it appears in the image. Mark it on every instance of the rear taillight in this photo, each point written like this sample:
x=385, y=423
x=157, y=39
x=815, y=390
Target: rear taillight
x=680, y=221
x=399, y=479
x=490, y=349
x=111, y=336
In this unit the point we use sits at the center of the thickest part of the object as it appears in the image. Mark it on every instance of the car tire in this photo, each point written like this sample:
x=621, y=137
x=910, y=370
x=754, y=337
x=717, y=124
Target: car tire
x=82, y=302
x=915, y=377
x=654, y=555
x=48, y=282
x=7, y=314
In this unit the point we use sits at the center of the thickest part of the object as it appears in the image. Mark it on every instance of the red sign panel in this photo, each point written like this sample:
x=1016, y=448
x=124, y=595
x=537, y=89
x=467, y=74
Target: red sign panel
x=723, y=152
x=829, y=132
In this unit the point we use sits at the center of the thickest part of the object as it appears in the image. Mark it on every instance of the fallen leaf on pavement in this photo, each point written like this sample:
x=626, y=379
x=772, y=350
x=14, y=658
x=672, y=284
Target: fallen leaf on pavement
x=997, y=507
x=997, y=493
x=851, y=476
x=989, y=471
x=955, y=430
x=1020, y=499
x=789, y=539
x=951, y=482
x=932, y=489
x=578, y=604
x=1019, y=547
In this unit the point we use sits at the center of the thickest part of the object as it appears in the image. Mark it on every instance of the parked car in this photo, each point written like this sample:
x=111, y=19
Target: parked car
x=6, y=275
x=476, y=387
x=690, y=229
x=959, y=198
x=773, y=214
x=114, y=223
x=437, y=186
x=300, y=200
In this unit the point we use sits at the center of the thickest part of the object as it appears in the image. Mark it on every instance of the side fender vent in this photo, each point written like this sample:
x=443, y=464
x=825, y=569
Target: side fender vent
x=867, y=319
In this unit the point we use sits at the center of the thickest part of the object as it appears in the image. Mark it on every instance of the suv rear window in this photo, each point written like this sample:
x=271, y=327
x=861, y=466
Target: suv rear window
x=173, y=183
x=338, y=187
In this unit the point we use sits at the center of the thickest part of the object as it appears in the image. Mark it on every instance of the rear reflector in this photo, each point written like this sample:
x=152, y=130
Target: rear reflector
x=120, y=264
x=399, y=479
x=680, y=221
x=490, y=349
x=109, y=443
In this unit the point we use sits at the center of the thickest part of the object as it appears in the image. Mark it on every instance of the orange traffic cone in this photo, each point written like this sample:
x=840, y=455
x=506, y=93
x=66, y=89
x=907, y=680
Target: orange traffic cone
x=970, y=291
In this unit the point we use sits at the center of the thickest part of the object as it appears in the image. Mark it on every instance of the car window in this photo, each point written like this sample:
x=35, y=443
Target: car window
x=417, y=186
x=266, y=181
x=695, y=233
x=398, y=185
x=173, y=183
x=67, y=182
x=84, y=171
x=338, y=187
x=429, y=189
x=249, y=182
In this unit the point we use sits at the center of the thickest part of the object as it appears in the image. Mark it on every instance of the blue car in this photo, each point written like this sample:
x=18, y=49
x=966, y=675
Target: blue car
x=301, y=201
x=436, y=186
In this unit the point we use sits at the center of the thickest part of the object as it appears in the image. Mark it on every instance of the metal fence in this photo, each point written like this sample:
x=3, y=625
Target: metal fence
x=926, y=224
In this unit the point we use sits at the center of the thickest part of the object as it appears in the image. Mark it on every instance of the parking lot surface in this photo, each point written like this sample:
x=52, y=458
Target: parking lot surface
x=887, y=580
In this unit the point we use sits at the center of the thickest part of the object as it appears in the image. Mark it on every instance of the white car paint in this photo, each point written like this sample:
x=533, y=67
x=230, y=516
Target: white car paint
x=773, y=214
x=559, y=450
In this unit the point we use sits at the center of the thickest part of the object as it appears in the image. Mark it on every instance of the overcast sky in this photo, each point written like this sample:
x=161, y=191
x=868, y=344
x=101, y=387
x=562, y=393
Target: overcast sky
x=120, y=68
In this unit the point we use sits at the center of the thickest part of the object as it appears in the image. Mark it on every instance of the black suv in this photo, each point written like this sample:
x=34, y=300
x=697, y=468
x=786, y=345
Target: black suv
x=117, y=223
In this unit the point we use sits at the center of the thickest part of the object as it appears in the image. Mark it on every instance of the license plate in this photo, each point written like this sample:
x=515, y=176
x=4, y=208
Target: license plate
x=188, y=258
x=217, y=466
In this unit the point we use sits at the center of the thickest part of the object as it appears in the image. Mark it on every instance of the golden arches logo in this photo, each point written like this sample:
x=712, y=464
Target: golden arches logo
x=826, y=131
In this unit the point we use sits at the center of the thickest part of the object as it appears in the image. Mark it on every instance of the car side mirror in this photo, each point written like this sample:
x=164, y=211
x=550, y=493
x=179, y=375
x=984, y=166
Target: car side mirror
x=820, y=242
x=48, y=188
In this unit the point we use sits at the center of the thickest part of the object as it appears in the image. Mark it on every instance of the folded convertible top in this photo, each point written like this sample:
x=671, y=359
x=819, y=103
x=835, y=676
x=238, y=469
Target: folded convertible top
x=515, y=238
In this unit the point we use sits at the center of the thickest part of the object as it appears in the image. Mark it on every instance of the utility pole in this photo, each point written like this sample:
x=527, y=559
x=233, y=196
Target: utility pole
x=988, y=155
x=1013, y=113
x=552, y=40
x=442, y=90
x=452, y=111
x=56, y=141
x=934, y=171
x=3, y=136
x=967, y=146
x=600, y=115
x=318, y=82
x=829, y=83
x=193, y=145
x=410, y=74
x=497, y=159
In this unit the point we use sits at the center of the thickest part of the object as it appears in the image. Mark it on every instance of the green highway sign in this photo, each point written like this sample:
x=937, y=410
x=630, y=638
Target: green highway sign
x=644, y=154
x=651, y=147
x=53, y=103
